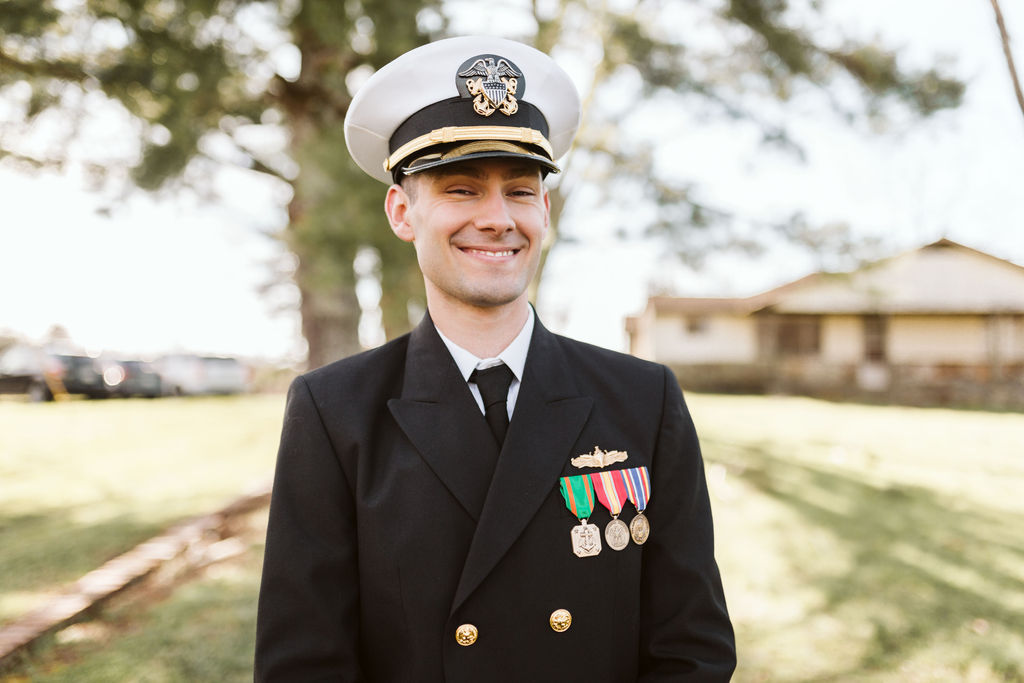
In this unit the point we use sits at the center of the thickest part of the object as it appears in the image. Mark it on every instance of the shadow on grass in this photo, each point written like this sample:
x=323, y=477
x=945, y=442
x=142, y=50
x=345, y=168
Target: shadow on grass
x=923, y=570
x=204, y=632
x=193, y=626
x=45, y=551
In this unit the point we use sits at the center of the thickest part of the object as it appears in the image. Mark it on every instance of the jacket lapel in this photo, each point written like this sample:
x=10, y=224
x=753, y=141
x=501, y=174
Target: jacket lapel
x=438, y=414
x=548, y=418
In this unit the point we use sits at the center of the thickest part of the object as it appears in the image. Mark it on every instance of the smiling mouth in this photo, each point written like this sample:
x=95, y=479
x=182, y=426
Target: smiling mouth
x=490, y=254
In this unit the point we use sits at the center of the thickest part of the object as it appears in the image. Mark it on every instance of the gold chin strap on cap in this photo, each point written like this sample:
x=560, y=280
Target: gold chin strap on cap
x=449, y=134
x=484, y=146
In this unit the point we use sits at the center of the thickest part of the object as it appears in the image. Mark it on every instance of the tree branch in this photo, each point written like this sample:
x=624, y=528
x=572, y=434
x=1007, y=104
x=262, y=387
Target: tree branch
x=255, y=164
x=68, y=71
x=1005, y=37
x=33, y=163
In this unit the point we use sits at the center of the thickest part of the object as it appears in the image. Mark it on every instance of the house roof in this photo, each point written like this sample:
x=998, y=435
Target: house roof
x=940, y=278
x=701, y=306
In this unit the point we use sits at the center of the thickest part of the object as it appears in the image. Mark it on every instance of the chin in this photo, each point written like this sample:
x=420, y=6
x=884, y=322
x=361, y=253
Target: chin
x=490, y=300
x=480, y=292
x=491, y=297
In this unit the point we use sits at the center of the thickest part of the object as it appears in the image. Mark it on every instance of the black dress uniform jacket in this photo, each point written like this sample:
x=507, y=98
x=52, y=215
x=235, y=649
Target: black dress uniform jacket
x=394, y=520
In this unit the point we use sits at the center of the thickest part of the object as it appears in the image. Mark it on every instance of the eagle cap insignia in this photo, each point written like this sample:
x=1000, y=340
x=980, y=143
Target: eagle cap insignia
x=599, y=458
x=492, y=82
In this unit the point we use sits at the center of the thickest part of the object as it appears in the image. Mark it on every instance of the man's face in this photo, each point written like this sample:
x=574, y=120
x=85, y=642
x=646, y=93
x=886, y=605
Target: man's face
x=477, y=227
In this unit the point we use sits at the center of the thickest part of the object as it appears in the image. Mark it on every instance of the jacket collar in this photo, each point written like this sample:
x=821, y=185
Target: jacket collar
x=438, y=414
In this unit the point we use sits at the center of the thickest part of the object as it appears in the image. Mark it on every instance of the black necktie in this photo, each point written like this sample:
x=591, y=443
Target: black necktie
x=493, y=383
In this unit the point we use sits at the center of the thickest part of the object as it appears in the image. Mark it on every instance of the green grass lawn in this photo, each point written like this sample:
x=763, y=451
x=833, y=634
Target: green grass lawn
x=84, y=481
x=857, y=543
x=868, y=543
x=203, y=631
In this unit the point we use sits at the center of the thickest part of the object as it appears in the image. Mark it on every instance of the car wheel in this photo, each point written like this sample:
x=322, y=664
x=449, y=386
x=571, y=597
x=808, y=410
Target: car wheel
x=38, y=392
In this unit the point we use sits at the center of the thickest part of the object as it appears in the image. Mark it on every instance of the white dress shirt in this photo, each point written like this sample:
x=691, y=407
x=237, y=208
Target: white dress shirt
x=514, y=356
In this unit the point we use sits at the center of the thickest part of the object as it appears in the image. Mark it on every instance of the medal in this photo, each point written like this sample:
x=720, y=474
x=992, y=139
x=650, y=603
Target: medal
x=586, y=539
x=638, y=488
x=578, y=493
x=616, y=534
x=611, y=491
x=639, y=528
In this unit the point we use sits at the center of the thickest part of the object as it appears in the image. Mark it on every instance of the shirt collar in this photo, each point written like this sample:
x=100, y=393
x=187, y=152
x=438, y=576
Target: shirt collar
x=514, y=355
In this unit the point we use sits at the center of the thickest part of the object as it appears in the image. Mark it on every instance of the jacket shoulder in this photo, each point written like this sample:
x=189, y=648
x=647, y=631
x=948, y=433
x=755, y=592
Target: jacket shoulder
x=374, y=367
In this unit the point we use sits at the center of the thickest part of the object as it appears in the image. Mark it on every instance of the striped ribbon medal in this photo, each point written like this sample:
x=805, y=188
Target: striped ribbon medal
x=579, y=498
x=638, y=487
x=611, y=491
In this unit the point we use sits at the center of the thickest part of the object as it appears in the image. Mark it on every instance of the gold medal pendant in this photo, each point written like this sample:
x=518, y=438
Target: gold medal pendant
x=616, y=534
x=639, y=528
x=586, y=539
x=638, y=489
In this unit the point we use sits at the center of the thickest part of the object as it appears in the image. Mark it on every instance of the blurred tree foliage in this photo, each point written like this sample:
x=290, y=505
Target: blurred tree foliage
x=199, y=76
x=202, y=78
x=738, y=61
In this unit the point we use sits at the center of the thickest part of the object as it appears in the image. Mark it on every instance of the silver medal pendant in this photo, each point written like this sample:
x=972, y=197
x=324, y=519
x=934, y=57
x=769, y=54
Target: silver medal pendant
x=639, y=528
x=616, y=534
x=586, y=539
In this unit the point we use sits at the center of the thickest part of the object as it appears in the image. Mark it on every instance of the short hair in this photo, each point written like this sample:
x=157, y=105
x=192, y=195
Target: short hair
x=408, y=184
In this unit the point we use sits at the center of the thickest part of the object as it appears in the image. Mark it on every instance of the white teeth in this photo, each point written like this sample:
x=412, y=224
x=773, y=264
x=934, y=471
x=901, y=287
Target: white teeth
x=495, y=254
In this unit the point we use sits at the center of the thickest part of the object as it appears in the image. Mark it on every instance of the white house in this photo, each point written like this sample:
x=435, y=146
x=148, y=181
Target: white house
x=941, y=324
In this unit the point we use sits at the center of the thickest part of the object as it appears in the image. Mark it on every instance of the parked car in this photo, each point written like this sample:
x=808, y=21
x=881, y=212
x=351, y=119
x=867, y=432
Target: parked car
x=191, y=375
x=127, y=378
x=41, y=374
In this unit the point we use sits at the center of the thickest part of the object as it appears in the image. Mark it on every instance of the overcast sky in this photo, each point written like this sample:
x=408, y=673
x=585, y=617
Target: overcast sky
x=156, y=276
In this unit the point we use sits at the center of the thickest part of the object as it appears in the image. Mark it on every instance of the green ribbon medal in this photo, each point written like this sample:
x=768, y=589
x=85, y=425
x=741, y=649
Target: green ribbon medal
x=578, y=493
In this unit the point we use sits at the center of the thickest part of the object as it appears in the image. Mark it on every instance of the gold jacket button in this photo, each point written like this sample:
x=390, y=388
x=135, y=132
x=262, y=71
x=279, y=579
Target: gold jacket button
x=560, y=620
x=465, y=635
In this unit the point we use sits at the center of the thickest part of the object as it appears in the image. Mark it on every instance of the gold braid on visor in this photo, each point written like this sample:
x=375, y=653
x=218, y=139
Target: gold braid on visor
x=481, y=134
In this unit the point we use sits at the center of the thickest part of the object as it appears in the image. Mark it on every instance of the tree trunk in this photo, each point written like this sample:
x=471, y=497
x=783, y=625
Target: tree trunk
x=328, y=306
x=330, y=324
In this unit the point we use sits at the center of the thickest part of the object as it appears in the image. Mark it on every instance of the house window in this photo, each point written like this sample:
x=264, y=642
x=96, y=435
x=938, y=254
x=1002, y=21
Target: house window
x=874, y=338
x=799, y=335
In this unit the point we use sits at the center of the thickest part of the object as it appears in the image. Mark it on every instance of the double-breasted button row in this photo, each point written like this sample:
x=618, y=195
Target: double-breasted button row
x=560, y=621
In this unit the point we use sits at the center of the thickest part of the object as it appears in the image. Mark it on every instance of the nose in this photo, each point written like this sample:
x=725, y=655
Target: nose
x=493, y=214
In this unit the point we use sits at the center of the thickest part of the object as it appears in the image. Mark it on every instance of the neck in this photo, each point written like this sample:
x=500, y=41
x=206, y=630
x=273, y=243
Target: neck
x=484, y=332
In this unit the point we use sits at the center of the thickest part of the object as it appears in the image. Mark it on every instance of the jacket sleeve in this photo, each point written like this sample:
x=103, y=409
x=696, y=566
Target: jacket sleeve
x=685, y=633
x=308, y=614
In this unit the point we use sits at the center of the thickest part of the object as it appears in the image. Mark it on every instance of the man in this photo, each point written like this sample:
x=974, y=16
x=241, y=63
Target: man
x=418, y=534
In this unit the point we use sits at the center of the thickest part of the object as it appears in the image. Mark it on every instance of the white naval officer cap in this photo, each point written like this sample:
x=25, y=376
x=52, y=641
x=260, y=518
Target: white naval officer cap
x=458, y=99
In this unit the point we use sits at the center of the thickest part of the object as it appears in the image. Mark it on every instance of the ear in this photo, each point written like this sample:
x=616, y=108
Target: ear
x=397, y=206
